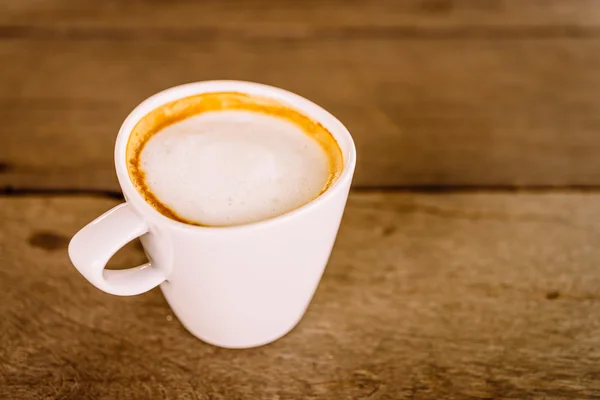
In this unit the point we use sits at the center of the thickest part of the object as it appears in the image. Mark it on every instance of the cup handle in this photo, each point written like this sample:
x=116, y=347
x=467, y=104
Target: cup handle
x=92, y=247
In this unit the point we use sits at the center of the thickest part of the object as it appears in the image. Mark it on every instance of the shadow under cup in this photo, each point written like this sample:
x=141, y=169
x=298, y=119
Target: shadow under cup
x=180, y=109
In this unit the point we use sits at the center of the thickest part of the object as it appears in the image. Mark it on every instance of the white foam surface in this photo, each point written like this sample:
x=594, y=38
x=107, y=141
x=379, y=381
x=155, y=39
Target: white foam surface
x=228, y=168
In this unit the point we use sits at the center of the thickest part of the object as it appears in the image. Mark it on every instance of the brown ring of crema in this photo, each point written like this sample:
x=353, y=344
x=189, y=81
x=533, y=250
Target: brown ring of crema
x=178, y=110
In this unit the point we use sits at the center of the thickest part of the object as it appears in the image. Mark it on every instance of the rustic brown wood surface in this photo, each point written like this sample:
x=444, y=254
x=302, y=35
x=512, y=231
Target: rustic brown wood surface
x=436, y=92
x=471, y=296
x=426, y=296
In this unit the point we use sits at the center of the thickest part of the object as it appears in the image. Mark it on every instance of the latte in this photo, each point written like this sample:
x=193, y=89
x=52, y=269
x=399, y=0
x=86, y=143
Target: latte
x=225, y=159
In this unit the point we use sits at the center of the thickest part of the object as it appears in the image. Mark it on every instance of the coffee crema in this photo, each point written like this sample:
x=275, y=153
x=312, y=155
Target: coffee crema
x=227, y=158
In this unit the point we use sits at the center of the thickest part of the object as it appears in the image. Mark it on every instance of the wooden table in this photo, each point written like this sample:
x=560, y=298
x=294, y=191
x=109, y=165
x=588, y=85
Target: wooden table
x=467, y=265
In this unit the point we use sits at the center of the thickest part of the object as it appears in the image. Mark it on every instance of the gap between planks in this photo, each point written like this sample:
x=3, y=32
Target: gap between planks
x=430, y=189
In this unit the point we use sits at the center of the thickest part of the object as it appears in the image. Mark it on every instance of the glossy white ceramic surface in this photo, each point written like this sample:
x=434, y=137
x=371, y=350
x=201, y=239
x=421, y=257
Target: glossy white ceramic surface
x=235, y=287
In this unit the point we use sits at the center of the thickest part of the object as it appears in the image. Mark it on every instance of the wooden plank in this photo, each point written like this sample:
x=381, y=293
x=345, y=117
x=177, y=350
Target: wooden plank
x=436, y=92
x=297, y=18
x=435, y=112
x=425, y=297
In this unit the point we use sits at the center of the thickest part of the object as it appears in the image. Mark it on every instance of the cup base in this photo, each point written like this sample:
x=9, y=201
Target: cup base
x=241, y=344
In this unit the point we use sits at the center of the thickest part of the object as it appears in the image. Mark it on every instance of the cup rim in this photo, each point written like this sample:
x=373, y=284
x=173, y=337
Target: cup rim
x=335, y=127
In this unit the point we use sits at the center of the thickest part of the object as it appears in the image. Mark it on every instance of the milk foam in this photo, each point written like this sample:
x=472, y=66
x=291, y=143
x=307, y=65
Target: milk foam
x=233, y=167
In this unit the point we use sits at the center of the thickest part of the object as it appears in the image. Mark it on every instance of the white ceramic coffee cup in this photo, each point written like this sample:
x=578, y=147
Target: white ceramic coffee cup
x=235, y=287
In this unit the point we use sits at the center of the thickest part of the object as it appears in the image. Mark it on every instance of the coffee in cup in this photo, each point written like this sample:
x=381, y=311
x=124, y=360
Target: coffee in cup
x=228, y=158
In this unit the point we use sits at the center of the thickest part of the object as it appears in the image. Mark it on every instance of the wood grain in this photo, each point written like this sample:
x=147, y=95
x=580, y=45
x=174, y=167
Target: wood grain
x=425, y=297
x=470, y=93
x=295, y=17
